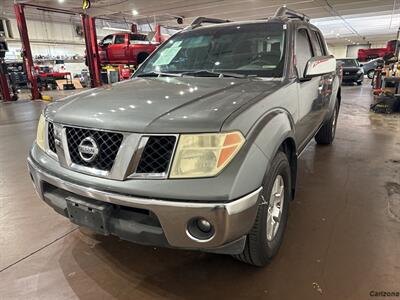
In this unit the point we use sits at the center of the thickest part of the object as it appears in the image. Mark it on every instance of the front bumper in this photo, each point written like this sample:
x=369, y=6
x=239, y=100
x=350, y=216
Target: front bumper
x=231, y=220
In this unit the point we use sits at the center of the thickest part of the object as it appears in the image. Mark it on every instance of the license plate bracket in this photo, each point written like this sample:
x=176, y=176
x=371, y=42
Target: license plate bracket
x=92, y=215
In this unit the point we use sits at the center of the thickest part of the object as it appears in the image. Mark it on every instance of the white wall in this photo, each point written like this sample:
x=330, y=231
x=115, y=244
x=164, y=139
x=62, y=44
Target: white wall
x=340, y=50
x=47, y=39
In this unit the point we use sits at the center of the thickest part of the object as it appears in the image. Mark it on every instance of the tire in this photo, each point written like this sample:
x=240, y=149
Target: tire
x=141, y=58
x=327, y=132
x=262, y=243
x=359, y=82
x=370, y=74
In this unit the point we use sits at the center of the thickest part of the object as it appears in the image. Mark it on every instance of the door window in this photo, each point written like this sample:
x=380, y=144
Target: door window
x=303, y=51
x=107, y=40
x=119, y=39
x=137, y=37
x=319, y=48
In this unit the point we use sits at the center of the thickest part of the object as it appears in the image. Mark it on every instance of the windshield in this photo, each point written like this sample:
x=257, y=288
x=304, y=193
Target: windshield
x=350, y=62
x=251, y=49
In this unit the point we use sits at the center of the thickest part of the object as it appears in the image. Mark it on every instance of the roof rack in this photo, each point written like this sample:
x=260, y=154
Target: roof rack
x=200, y=20
x=291, y=14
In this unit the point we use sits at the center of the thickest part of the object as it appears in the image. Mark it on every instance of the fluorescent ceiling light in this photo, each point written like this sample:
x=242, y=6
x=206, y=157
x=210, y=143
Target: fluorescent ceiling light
x=116, y=29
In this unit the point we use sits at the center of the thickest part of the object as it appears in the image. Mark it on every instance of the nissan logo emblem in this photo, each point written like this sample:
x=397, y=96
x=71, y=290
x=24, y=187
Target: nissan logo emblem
x=88, y=149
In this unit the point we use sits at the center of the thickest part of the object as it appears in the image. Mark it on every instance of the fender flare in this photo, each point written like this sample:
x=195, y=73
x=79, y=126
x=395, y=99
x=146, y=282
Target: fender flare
x=275, y=130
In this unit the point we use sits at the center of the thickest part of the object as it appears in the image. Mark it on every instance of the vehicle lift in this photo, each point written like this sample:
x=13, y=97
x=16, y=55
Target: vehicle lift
x=4, y=89
x=5, y=92
x=89, y=28
x=26, y=50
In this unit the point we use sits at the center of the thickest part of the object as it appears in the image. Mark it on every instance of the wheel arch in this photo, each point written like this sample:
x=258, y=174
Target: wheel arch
x=275, y=132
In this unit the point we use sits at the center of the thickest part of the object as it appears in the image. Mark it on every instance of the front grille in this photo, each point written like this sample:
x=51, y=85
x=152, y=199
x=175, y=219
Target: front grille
x=156, y=155
x=108, y=145
x=51, y=137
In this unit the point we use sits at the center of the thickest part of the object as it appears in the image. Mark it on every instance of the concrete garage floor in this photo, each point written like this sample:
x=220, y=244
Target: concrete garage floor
x=343, y=237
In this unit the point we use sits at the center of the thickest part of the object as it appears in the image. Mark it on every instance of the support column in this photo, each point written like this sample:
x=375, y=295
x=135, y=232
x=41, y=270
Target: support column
x=5, y=91
x=157, y=35
x=26, y=50
x=92, y=51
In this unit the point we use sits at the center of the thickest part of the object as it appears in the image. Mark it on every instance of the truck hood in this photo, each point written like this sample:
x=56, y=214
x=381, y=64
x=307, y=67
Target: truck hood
x=160, y=105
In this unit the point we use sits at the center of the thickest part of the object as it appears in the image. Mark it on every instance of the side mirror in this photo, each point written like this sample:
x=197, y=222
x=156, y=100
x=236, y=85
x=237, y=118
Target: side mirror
x=320, y=65
x=361, y=65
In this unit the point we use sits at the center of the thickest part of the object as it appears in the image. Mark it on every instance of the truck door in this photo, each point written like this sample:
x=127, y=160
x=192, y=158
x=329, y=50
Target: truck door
x=103, y=46
x=117, y=52
x=327, y=79
x=311, y=102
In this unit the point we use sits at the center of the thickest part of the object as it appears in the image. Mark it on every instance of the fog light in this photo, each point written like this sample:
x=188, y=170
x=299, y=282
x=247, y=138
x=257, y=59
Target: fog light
x=200, y=229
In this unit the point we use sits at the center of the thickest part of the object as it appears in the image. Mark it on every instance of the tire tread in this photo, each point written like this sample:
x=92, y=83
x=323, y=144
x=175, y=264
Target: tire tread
x=324, y=135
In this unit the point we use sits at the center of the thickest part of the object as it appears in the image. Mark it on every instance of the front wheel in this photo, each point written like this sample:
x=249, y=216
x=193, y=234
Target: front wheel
x=327, y=132
x=266, y=236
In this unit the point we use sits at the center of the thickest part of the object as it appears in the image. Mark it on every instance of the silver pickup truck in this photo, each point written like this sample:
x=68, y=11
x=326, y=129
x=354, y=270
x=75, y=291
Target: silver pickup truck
x=199, y=149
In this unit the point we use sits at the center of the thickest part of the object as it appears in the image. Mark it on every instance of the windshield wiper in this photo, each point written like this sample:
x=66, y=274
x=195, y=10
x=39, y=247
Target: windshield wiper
x=207, y=73
x=159, y=74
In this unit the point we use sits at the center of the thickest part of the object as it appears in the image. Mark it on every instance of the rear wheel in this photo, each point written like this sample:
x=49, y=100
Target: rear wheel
x=266, y=236
x=327, y=132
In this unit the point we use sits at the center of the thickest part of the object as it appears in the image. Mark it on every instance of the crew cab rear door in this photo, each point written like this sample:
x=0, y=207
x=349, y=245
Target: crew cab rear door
x=138, y=43
x=326, y=84
x=310, y=90
x=118, y=50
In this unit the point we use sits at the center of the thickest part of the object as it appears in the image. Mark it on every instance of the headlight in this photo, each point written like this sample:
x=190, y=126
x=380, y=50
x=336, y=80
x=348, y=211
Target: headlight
x=360, y=72
x=204, y=155
x=41, y=133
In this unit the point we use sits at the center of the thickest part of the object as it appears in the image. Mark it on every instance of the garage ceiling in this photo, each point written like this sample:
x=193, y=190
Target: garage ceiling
x=340, y=20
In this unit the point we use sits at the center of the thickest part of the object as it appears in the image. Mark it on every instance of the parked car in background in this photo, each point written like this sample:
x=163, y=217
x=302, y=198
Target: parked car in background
x=372, y=53
x=369, y=67
x=352, y=71
x=125, y=48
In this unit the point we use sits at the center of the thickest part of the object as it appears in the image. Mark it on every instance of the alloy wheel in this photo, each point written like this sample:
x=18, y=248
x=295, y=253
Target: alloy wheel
x=275, y=207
